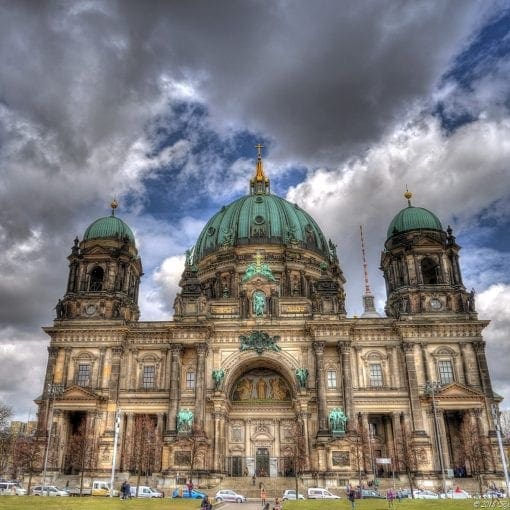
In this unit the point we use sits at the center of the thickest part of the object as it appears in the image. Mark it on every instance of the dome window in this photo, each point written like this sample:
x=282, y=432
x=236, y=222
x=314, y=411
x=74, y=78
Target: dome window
x=96, y=279
x=211, y=231
x=259, y=200
x=259, y=220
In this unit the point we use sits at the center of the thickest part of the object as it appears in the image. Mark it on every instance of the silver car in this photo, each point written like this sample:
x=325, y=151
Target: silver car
x=229, y=495
x=48, y=490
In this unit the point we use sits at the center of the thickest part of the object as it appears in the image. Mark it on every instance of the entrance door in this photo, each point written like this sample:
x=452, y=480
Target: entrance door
x=237, y=466
x=262, y=462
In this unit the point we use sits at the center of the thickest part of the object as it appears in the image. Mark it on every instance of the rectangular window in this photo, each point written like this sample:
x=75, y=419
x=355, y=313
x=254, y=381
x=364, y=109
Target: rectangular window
x=149, y=377
x=376, y=378
x=331, y=379
x=83, y=378
x=445, y=371
x=190, y=380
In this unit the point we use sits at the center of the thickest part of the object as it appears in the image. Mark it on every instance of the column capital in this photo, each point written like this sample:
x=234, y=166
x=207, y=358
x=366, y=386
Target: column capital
x=52, y=352
x=176, y=348
x=201, y=348
x=479, y=346
x=344, y=347
x=318, y=347
x=408, y=347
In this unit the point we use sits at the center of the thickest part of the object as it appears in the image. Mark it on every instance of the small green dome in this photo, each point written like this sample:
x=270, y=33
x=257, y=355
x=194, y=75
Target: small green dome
x=260, y=219
x=413, y=218
x=109, y=227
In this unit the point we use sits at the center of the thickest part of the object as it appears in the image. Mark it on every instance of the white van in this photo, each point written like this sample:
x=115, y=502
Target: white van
x=319, y=493
x=12, y=489
x=145, y=492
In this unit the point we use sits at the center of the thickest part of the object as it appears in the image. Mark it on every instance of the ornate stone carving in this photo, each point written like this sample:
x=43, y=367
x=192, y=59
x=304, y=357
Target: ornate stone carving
x=259, y=341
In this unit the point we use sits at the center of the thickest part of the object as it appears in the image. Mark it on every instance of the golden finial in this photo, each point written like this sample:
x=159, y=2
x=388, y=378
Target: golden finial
x=114, y=206
x=408, y=195
x=259, y=175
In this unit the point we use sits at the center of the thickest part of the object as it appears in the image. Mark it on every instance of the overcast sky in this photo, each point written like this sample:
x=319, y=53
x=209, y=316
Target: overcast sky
x=160, y=104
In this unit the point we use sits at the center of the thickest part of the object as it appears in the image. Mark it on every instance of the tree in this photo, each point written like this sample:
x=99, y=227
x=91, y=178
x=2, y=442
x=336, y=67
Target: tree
x=299, y=457
x=146, y=445
x=407, y=455
x=83, y=450
x=359, y=441
x=6, y=437
x=191, y=448
x=474, y=448
x=28, y=456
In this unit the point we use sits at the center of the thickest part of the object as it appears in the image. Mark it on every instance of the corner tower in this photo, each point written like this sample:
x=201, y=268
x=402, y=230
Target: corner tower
x=104, y=273
x=421, y=267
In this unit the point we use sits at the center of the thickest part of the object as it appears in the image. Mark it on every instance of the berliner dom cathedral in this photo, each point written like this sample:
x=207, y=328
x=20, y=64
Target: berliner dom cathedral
x=261, y=366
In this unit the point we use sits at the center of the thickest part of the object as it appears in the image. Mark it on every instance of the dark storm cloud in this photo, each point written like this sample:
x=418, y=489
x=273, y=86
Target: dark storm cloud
x=82, y=82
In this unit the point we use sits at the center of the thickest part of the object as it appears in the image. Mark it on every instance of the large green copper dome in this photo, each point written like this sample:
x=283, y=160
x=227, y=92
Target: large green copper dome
x=109, y=227
x=413, y=218
x=260, y=218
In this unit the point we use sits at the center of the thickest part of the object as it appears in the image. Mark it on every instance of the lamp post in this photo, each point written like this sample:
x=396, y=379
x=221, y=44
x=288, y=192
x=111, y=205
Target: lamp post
x=115, y=444
x=431, y=388
x=52, y=391
x=497, y=423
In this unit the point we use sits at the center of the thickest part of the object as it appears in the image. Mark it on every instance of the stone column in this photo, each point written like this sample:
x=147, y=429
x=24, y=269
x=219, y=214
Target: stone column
x=168, y=369
x=356, y=374
x=365, y=430
x=425, y=361
x=100, y=368
x=444, y=439
x=217, y=433
x=174, y=393
x=128, y=440
x=483, y=369
x=247, y=434
x=65, y=368
x=318, y=348
x=304, y=416
x=115, y=372
x=345, y=351
x=397, y=439
x=201, y=349
x=465, y=372
x=276, y=425
x=412, y=381
x=396, y=366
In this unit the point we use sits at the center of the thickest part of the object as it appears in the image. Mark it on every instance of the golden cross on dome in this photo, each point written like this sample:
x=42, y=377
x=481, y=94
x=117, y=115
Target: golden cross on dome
x=259, y=148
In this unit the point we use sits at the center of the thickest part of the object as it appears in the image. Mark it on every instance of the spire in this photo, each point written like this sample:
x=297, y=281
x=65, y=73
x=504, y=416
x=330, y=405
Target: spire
x=259, y=185
x=368, y=298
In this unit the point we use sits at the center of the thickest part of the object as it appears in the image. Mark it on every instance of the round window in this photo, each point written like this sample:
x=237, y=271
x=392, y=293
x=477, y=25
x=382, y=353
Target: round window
x=259, y=220
x=211, y=231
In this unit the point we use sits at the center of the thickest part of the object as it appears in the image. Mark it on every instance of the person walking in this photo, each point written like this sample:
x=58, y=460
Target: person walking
x=390, y=496
x=277, y=504
x=263, y=495
x=352, y=497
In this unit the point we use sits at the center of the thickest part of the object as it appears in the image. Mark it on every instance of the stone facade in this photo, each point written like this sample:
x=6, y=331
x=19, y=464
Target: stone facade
x=260, y=342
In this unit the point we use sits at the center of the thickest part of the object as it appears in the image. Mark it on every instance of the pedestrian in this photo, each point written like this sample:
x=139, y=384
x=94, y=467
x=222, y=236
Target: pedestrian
x=263, y=495
x=189, y=485
x=277, y=504
x=206, y=504
x=390, y=496
x=123, y=490
x=253, y=480
x=128, y=490
x=352, y=498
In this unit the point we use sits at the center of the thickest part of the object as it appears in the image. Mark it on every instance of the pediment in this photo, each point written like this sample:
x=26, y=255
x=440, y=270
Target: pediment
x=458, y=391
x=425, y=241
x=78, y=393
x=97, y=250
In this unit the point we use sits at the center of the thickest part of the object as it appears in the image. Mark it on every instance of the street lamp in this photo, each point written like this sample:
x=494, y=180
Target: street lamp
x=52, y=391
x=431, y=388
x=497, y=423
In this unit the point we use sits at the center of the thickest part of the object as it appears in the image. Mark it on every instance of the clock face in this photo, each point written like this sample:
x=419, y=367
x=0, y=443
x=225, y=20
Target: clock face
x=90, y=310
x=435, y=304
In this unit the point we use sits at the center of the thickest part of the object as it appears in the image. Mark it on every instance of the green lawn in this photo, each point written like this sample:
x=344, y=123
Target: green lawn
x=94, y=503
x=406, y=504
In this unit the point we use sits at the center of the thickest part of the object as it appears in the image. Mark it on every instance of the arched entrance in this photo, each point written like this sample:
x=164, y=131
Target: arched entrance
x=259, y=430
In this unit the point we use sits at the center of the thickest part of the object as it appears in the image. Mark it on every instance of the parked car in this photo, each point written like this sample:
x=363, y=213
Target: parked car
x=48, y=490
x=145, y=492
x=320, y=493
x=180, y=492
x=457, y=493
x=425, y=494
x=290, y=494
x=12, y=489
x=368, y=494
x=229, y=495
x=491, y=493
